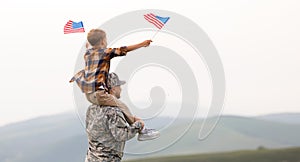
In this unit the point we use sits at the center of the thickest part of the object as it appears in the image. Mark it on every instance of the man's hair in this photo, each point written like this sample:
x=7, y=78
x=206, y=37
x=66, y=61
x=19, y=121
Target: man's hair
x=95, y=36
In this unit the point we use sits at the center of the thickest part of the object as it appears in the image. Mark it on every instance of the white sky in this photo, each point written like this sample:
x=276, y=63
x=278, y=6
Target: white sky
x=258, y=42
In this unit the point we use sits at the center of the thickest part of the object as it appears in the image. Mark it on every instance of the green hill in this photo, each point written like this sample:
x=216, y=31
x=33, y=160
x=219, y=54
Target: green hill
x=290, y=118
x=62, y=138
x=276, y=155
x=231, y=133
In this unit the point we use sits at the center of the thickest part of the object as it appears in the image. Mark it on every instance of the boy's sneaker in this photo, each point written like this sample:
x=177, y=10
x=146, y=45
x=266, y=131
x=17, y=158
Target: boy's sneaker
x=148, y=134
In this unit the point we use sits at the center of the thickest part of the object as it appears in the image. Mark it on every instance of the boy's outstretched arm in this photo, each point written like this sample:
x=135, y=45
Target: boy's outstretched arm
x=145, y=43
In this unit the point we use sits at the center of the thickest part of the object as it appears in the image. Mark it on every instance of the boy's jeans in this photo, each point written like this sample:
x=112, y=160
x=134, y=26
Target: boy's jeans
x=100, y=97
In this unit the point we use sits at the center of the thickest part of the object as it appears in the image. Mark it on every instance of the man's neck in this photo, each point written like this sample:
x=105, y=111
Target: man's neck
x=112, y=93
x=99, y=47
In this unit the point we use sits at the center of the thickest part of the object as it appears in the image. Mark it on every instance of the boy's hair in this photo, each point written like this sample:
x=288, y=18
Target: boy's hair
x=95, y=36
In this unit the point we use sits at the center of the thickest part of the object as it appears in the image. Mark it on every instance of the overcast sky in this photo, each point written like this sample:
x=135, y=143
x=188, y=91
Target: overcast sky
x=258, y=42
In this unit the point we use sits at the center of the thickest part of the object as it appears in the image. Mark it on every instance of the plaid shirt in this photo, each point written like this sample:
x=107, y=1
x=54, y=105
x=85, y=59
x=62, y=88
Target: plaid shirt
x=97, y=65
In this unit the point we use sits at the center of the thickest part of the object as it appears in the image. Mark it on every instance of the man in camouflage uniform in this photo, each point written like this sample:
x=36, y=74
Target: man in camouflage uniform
x=107, y=129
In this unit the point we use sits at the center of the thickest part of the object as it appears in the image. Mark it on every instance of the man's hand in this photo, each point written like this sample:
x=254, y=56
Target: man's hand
x=137, y=119
x=143, y=123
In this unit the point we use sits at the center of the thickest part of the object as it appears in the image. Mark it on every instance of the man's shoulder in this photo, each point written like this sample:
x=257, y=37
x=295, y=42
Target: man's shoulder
x=110, y=111
x=111, y=108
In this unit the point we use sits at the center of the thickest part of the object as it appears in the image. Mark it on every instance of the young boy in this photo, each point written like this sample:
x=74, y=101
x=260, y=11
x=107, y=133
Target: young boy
x=93, y=79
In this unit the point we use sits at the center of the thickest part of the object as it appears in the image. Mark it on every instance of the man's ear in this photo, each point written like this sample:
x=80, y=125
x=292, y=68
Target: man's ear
x=112, y=90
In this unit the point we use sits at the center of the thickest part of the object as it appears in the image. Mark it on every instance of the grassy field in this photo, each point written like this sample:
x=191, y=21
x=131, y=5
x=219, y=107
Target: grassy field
x=264, y=155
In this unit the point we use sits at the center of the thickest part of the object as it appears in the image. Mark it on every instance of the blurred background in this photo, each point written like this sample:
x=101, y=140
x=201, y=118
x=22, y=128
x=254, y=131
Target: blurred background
x=257, y=41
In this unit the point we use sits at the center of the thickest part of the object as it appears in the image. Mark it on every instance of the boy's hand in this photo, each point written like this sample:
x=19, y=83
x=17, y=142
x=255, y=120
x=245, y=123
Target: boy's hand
x=146, y=43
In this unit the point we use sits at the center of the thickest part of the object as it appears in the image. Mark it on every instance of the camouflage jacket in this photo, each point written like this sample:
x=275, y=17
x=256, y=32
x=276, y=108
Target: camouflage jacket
x=107, y=131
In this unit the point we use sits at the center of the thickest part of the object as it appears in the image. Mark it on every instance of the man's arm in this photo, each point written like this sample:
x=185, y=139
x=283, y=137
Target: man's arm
x=121, y=130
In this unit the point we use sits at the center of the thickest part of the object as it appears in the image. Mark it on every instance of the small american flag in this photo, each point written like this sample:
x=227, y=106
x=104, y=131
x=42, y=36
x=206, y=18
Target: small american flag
x=158, y=21
x=73, y=27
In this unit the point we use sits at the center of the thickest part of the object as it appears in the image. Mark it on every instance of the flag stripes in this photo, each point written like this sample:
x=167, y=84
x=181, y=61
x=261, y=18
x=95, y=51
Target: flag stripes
x=152, y=19
x=73, y=27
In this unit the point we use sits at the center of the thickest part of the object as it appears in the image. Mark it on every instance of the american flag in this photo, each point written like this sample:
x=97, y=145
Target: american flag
x=73, y=27
x=158, y=21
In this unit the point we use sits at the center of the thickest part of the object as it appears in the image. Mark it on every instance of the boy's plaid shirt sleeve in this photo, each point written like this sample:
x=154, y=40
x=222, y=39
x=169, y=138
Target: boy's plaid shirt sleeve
x=97, y=65
x=114, y=52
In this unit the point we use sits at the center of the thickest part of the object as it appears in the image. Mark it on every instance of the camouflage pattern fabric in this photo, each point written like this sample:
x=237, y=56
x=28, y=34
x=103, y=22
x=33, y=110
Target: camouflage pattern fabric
x=107, y=131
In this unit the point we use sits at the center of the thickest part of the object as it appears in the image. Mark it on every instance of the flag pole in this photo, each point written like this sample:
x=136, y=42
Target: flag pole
x=155, y=34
